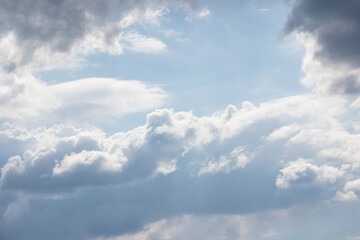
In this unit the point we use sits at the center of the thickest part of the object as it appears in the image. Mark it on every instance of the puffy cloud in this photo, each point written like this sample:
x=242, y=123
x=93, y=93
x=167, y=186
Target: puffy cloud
x=302, y=173
x=347, y=196
x=223, y=142
x=161, y=170
x=238, y=158
x=334, y=24
x=327, y=77
x=44, y=27
x=330, y=32
x=49, y=34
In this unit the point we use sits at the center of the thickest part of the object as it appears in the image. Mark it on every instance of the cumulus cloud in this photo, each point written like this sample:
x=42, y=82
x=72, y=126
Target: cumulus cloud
x=282, y=153
x=330, y=32
x=344, y=197
x=168, y=137
x=238, y=158
x=45, y=35
x=48, y=26
x=41, y=34
x=302, y=173
x=178, y=174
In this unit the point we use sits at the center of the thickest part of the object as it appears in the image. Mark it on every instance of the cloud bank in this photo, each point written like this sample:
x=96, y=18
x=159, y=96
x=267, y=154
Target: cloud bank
x=281, y=154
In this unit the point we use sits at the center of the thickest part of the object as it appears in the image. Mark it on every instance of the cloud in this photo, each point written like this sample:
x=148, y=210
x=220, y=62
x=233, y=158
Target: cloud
x=45, y=27
x=330, y=32
x=334, y=24
x=24, y=96
x=291, y=223
x=168, y=137
x=50, y=34
x=288, y=152
x=344, y=197
x=202, y=14
x=233, y=174
x=138, y=43
x=238, y=158
x=89, y=100
x=105, y=97
x=302, y=173
x=209, y=227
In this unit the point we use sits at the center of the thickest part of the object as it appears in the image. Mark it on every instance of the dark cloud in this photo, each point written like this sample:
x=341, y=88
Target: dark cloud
x=336, y=24
x=336, y=28
x=58, y=25
x=56, y=22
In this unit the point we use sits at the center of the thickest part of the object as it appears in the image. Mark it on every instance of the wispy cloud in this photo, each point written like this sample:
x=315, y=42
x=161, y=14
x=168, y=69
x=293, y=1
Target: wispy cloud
x=139, y=43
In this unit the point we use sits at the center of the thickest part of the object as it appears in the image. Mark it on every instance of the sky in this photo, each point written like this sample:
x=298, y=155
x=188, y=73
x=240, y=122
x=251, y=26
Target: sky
x=187, y=119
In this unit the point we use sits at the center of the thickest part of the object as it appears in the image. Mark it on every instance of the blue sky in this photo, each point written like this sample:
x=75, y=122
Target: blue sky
x=230, y=56
x=189, y=119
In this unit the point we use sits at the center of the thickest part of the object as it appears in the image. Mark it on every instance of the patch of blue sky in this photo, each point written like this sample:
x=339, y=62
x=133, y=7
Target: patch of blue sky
x=233, y=55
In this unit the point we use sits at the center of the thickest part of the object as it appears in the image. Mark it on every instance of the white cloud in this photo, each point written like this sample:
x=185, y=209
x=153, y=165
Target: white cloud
x=352, y=185
x=89, y=99
x=303, y=173
x=344, y=197
x=238, y=158
x=139, y=43
x=168, y=138
x=280, y=154
x=283, y=133
x=326, y=77
x=105, y=97
x=24, y=96
x=155, y=167
x=202, y=14
x=204, y=227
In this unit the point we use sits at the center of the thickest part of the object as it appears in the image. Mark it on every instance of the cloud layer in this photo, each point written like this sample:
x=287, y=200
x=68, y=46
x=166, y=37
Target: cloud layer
x=280, y=154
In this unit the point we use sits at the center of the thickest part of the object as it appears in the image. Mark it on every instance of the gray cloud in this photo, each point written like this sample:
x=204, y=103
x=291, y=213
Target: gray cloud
x=57, y=24
x=48, y=28
x=336, y=27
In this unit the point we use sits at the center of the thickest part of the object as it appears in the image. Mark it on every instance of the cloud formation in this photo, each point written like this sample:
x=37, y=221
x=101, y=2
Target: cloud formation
x=90, y=100
x=283, y=153
x=39, y=35
x=331, y=35
x=179, y=175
